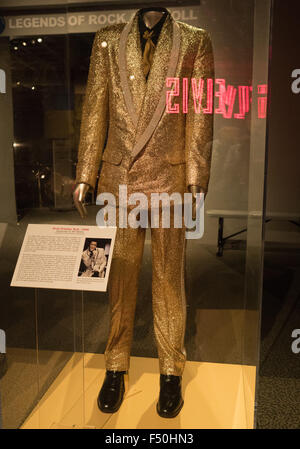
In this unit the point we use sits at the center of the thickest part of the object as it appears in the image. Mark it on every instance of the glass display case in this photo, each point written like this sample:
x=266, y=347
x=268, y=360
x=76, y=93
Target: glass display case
x=54, y=363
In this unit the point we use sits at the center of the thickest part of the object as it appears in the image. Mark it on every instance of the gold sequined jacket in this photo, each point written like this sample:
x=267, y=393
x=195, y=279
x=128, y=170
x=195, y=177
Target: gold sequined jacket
x=125, y=125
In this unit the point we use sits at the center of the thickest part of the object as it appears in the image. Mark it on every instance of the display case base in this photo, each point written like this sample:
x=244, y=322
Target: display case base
x=216, y=395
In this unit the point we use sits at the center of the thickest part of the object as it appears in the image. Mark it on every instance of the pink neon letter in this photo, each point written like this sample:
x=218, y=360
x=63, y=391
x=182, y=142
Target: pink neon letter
x=221, y=94
x=185, y=97
x=209, y=96
x=170, y=93
x=197, y=94
x=262, y=101
x=229, y=100
x=243, y=102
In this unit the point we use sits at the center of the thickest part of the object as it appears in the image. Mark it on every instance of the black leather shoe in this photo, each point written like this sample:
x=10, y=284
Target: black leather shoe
x=170, y=400
x=111, y=394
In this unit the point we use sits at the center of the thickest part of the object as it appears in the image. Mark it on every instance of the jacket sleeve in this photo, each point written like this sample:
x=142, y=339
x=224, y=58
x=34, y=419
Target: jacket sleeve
x=199, y=125
x=94, y=121
x=101, y=261
x=86, y=259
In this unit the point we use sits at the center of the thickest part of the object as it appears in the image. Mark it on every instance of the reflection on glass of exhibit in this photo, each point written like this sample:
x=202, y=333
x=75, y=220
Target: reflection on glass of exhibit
x=65, y=257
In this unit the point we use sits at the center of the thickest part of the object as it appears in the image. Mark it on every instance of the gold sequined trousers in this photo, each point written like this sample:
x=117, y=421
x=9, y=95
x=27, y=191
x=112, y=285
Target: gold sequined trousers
x=168, y=248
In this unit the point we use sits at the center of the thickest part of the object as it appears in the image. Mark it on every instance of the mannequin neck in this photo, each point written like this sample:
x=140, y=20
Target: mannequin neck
x=152, y=16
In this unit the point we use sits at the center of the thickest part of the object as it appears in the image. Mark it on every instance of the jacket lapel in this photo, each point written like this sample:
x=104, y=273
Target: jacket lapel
x=146, y=100
x=133, y=81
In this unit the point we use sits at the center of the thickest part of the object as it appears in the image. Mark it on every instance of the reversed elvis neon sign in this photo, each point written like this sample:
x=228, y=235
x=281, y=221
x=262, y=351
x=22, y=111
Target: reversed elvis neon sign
x=228, y=97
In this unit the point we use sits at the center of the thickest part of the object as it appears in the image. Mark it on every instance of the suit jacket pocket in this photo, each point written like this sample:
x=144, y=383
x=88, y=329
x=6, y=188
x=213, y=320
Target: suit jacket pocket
x=113, y=157
x=175, y=158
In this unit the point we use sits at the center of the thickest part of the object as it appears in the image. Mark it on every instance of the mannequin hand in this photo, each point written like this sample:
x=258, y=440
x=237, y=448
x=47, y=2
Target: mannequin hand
x=195, y=189
x=79, y=195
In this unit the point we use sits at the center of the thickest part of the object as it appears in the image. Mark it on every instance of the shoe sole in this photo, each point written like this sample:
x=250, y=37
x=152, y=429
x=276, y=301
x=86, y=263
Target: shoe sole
x=162, y=415
x=109, y=411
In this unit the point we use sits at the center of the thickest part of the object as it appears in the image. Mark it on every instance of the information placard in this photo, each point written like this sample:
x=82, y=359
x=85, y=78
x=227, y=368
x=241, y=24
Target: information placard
x=65, y=257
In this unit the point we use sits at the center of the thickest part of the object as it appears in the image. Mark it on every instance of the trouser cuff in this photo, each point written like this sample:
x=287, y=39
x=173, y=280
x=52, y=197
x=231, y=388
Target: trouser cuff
x=171, y=367
x=117, y=361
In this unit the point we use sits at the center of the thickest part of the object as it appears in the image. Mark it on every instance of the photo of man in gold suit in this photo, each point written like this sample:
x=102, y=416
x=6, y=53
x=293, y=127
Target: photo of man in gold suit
x=148, y=150
x=94, y=261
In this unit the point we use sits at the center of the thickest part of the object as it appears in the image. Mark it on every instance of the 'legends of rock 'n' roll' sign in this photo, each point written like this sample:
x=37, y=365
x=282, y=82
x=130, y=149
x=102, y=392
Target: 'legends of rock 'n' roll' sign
x=79, y=22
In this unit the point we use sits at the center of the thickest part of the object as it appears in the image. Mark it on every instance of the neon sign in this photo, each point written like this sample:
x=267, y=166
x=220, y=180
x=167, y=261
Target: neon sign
x=227, y=98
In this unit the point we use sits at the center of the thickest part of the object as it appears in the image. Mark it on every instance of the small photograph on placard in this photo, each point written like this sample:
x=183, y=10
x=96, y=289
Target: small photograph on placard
x=94, y=258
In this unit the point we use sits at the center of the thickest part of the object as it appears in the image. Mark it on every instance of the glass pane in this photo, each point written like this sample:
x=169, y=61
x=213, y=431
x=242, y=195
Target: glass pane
x=48, y=323
x=218, y=288
x=221, y=323
x=256, y=210
x=18, y=358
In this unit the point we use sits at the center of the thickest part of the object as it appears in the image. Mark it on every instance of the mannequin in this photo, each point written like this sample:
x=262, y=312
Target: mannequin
x=149, y=150
x=151, y=16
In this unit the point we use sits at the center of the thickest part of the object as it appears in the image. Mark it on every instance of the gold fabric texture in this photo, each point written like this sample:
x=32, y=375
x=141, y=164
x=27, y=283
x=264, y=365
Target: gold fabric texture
x=168, y=295
x=148, y=150
x=177, y=139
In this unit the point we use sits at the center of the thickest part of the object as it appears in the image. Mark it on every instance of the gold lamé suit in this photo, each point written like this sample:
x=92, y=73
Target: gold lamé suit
x=148, y=150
